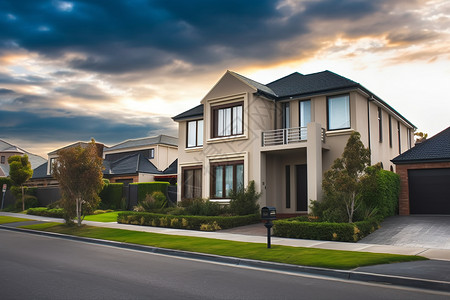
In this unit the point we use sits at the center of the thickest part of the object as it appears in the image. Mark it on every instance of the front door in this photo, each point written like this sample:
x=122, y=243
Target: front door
x=302, y=188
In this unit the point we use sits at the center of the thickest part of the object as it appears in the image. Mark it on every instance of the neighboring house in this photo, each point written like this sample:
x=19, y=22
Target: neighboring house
x=283, y=135
x=7, y=150
x=142, y=160
x=424, y=172
x=42, y=176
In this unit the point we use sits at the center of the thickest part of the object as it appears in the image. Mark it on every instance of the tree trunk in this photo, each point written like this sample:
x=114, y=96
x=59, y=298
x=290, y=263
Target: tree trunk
x=79, y=211
x=23, y=198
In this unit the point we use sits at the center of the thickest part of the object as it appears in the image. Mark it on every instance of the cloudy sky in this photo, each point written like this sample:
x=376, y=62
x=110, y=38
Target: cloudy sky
x=114, y=70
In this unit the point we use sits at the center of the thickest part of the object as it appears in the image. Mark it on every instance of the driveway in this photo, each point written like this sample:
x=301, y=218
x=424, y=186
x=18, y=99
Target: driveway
x=426, y=231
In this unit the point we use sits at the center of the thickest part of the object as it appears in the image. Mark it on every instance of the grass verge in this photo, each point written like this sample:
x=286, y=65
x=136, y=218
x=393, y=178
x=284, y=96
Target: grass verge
x=106, y=217
x=7, y=219
x=334, y=259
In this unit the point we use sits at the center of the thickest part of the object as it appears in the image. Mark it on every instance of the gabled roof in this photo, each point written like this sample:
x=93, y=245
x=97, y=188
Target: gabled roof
x=41, y=172
x=35, y=160
x=132, y=164
x=173, y=168
x=190, y=114
x=298, y=85
x=434, y=149
x=147, y=141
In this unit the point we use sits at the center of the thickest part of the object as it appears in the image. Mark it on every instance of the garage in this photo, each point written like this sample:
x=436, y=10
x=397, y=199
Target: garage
x=429, y=191
x=424, y=172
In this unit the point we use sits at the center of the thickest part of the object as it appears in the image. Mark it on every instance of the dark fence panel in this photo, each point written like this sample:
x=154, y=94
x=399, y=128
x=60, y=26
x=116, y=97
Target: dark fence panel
x=132, y=196
x=48, y=195
x=172, y=193
x=9, y=199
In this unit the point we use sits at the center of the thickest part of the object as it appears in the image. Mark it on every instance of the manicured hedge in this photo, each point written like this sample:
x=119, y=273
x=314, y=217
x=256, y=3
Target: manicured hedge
x=206, y=223
x=46, y=212
x=344, y=232
x=147, y=188
x=111, y=196
x=384, y=195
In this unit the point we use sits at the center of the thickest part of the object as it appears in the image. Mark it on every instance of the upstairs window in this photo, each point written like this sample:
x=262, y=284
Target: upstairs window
x=286, y=115
x=194, y=133
x=305, y=112
x=338, y=112
x=228, y=120
x=3, y=160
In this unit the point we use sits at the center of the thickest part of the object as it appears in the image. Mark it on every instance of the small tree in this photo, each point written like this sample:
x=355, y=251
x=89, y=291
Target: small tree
x=343, y=181
x=19, y=172
x=79, y=173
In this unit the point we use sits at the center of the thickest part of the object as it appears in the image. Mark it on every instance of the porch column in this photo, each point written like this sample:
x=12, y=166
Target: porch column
x=314, y=162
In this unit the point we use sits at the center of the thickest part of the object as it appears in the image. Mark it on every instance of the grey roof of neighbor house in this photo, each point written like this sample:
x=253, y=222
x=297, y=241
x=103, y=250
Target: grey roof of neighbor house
x=132, y=164
x=434, y=149
x=297, y=85
x=172, y=169
x=41, y=172
x=35, y=160
x=147, y=141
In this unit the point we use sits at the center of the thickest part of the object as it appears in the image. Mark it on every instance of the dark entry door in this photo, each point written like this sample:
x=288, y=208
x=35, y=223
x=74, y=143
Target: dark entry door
x=429, y=191
x=302, y=188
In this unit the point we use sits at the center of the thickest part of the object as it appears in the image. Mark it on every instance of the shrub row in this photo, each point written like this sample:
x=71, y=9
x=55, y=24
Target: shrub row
x=205, y=223
x=46, y=212
x=147, y=188
x=344, y=232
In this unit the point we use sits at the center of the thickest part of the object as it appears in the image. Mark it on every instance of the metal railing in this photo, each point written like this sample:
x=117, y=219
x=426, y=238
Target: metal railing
x=286, y=136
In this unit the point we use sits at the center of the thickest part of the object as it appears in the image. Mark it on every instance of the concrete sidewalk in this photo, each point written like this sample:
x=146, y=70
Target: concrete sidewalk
x=432, y=274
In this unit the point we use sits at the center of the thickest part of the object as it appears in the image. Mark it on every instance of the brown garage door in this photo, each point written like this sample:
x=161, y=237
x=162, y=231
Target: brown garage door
x=429, y=191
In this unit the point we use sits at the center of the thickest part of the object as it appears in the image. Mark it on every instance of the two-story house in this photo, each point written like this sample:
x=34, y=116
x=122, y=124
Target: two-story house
x=142, y=160
x=283, y=135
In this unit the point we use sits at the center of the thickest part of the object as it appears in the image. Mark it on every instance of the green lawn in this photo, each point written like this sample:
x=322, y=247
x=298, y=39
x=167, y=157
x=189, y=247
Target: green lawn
x=106, y=217
x=6, y=219
x=291, y=255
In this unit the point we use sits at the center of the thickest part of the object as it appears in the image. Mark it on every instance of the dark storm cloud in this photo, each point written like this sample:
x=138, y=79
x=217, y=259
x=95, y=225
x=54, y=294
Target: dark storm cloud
x=6, y=92
x=131, y=35
x=82, y=91
x=37, y=128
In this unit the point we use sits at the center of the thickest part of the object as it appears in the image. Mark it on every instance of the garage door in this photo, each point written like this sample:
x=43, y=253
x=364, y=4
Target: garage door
x=429, y=191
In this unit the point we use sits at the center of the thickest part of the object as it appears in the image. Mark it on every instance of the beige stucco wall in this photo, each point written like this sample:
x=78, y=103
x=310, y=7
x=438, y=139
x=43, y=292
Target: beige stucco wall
x=267, y=166
x=164, y=156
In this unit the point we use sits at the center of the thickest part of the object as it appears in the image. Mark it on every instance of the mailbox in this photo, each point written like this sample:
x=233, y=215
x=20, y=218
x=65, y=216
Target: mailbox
x=268, y=213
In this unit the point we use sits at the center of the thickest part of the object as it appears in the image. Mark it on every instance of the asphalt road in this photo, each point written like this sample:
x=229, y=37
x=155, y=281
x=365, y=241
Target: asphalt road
x=40, y=267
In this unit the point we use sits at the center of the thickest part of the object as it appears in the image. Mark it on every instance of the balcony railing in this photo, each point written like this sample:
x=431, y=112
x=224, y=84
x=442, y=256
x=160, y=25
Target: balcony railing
x=286, y=136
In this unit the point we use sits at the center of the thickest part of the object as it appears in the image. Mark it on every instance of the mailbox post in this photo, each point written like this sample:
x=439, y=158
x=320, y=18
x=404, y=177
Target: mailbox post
x=268, y=213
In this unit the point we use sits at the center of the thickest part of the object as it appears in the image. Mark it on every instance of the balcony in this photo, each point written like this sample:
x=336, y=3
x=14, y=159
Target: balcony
x=287, y=136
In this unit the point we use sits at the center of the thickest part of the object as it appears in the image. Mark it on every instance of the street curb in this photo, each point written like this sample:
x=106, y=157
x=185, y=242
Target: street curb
x=340, y=274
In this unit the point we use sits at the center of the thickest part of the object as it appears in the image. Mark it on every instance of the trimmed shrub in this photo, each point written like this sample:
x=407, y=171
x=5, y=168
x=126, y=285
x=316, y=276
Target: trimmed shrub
x=152, y=203
x=6, y=180
x=46, y=212
x=383, y=193
x=185, y=222
x=344, y=232
x=244, y=201
x=201, y=207
x=148, y=188
x=111, y=196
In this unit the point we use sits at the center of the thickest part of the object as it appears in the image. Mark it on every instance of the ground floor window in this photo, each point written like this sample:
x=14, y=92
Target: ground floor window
x=225, y=177
x=192, y=182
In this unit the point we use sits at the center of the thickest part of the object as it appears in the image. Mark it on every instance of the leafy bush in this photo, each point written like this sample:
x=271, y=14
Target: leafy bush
x=112, y=196
x=201, y=207
x=344, y=232
x=148, y=188
x=152, y=203
x=30, y=201
x=6, y=180
x=244, y=201
x=381, y=192
x=185, y=222
x=46, y=212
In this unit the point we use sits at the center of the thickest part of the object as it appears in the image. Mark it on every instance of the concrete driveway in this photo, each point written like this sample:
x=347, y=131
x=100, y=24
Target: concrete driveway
x=426, y=231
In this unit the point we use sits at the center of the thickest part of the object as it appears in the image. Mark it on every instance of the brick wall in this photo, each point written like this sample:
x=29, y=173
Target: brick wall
x=402, y=171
